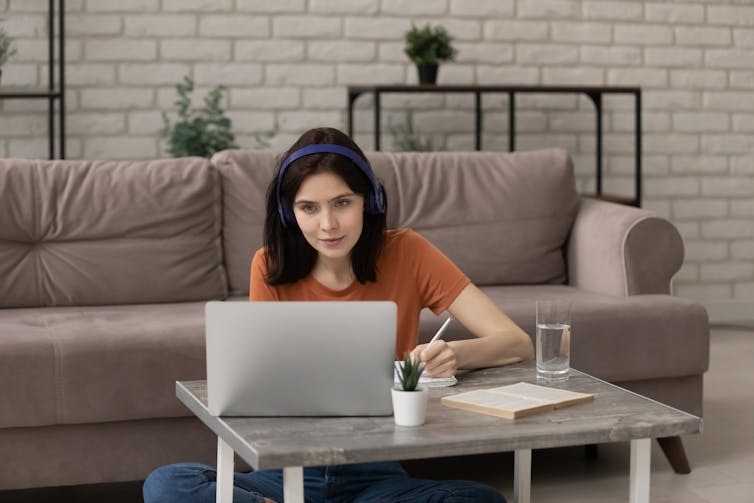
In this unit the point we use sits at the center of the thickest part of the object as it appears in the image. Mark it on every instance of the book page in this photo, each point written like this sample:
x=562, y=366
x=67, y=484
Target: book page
x=515, y=400
x=492, y=398
x=542, y=394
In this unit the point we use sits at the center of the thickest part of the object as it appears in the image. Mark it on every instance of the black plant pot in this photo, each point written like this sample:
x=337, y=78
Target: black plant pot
x=427, y=74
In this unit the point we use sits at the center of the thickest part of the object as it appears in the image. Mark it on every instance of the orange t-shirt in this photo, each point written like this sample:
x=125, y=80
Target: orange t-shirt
x=411, y=272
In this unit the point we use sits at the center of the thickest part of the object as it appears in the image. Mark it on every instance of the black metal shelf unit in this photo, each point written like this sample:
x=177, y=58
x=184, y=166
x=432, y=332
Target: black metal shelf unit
x=594, y=93
x=56, y=83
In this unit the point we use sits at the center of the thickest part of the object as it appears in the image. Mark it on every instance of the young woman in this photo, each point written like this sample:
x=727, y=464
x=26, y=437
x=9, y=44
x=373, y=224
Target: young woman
x=325, y=239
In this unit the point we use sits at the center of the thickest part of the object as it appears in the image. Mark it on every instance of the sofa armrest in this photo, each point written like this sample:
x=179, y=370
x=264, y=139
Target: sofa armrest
x=622, y=250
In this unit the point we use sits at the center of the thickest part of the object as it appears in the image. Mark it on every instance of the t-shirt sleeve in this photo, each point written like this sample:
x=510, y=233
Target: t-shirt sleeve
x=258, y=287
x=438, y=279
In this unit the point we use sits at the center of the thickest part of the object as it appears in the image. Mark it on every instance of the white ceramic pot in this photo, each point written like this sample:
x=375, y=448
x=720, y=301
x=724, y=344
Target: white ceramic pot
x=409, y=407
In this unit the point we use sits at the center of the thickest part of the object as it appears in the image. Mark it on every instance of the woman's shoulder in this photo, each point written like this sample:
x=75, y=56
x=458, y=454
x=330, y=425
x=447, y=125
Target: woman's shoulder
x=403, y=235
x=397, y=237
x=259, y=259
x=403, y=240
x=259, y=254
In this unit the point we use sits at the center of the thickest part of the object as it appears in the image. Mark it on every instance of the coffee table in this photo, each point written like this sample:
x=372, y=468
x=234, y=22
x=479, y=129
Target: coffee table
x=291, y=443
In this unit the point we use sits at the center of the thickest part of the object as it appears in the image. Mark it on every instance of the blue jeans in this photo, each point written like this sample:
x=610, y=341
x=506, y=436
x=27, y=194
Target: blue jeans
x=356, y=483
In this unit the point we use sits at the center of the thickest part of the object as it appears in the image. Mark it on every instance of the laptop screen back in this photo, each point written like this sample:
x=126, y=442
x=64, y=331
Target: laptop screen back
x=300, y=358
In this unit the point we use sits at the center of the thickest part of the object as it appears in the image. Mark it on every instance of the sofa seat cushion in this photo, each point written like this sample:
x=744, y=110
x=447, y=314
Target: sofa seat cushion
x=77, y=233
x=97, y=364
x=613, y=338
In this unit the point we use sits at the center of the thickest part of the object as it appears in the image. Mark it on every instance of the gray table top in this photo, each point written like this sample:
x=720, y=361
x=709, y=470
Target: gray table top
x=276, y=442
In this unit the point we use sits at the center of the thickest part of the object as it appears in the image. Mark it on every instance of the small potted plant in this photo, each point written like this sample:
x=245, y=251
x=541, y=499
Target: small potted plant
x=409, y=399
x=198, y=132
x=427, y=47
x=6, y=49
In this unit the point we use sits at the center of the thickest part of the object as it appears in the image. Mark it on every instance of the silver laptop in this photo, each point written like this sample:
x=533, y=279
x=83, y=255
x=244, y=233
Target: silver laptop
x=300, y=358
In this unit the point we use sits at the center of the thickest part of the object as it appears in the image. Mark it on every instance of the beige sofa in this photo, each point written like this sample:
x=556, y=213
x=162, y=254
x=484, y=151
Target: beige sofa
x=105, y=268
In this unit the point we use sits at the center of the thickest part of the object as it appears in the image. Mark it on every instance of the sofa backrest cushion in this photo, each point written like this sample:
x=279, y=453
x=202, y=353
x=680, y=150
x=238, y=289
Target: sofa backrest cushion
x=93, y=233
x=245, y=177
x=502, y=217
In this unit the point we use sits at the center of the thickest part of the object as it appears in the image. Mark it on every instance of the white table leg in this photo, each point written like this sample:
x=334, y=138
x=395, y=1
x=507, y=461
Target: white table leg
x=522, y=476
x=293, y=484
x=224, y=472
x=641, y=458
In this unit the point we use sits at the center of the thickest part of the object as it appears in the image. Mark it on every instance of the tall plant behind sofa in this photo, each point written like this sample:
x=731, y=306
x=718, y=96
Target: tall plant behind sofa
x=198, y=132
x=406, y=138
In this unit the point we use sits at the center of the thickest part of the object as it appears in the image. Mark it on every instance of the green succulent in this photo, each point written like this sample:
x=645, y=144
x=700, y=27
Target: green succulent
x=429, y=46
x=409, y=372
x=198, y=132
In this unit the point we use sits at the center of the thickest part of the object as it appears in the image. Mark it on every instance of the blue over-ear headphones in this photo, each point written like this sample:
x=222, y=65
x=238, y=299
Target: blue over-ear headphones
x=375, y=202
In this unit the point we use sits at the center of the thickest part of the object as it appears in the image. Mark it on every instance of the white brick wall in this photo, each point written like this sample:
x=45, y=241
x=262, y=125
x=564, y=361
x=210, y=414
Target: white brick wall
x=286, y=64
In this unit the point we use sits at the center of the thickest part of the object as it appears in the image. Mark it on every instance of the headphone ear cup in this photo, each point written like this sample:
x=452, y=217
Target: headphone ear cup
x=376, y=201
x=290, y=218
x=286, y=217
x=379, y=197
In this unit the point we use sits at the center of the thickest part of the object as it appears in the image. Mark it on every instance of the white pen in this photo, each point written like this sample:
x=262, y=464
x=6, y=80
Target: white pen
x=442, y=329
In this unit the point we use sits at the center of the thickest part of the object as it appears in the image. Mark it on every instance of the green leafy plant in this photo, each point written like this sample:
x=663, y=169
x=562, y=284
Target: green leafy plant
x=198, y=132
x=428, y=45
x=406, y=138
x=409, y=372
x=6, y=47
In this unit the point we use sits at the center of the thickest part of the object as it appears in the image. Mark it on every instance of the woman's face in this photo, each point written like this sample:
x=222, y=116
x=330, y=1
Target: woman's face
x=329, y=214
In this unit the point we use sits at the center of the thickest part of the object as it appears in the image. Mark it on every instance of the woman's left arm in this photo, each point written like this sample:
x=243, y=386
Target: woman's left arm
x=498, y=341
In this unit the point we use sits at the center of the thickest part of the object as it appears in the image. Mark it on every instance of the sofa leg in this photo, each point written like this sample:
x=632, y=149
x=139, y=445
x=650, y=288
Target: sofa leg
x=675, y=453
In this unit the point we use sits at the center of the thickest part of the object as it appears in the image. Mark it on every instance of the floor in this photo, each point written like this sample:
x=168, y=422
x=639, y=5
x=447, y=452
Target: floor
x=722, y=458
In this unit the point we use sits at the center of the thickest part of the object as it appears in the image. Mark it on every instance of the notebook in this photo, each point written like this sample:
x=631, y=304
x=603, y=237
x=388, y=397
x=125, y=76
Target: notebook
x=300, y=358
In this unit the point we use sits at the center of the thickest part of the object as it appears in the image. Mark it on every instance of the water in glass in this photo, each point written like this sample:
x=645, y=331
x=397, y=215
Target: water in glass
x=553, y=349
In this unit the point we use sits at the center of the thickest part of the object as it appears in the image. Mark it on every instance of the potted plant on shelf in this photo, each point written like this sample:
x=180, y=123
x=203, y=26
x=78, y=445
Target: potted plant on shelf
x=6, y=49
x=427, y=47
x=409, y=399
x=199, y=132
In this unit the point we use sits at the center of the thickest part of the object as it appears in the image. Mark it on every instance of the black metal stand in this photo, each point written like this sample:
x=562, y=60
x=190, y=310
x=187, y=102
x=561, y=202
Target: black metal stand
x=55, y=89
x=594, y=93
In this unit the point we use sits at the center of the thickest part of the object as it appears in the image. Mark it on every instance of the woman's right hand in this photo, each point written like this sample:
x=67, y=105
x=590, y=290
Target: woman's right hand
x=438, y=357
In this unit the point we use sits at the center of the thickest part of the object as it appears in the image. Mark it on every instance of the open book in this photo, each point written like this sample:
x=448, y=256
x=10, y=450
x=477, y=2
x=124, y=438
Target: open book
x=515, y=400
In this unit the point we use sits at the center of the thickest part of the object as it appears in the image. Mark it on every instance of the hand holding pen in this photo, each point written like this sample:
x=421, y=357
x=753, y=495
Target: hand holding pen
x=438, y=357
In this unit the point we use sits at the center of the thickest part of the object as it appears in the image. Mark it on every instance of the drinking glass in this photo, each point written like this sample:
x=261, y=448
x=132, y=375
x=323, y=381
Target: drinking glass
x=553, y=338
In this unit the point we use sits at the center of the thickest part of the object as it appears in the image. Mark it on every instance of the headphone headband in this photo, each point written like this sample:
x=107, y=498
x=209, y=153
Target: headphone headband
x=375, y=203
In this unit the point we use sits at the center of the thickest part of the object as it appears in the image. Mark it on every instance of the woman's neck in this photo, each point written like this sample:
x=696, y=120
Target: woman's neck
x=335, y=275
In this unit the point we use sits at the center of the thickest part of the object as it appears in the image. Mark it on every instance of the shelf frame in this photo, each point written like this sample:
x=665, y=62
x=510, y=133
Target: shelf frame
x=594, y=93
x=55, y=91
